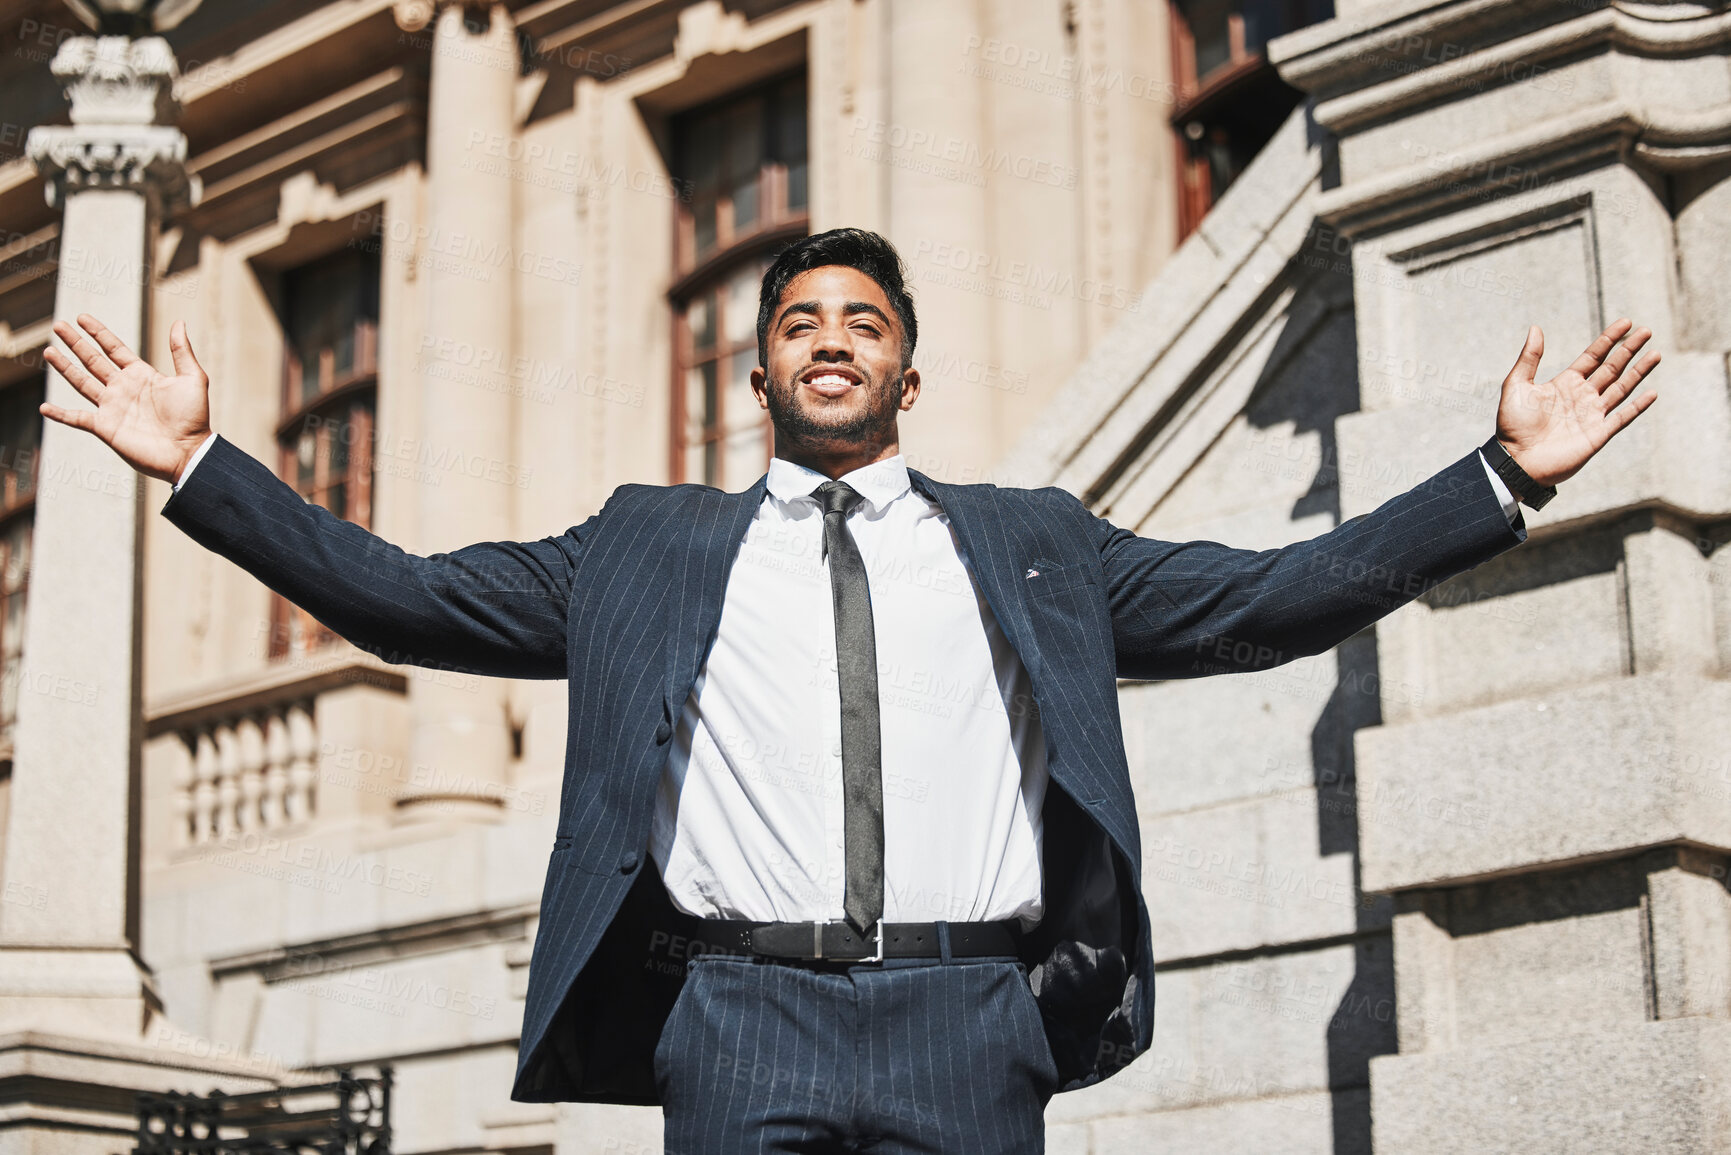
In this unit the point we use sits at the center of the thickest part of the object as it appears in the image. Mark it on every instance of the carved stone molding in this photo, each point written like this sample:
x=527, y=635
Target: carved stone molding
x=414, y=15
x=113, y=80
x=150, y=159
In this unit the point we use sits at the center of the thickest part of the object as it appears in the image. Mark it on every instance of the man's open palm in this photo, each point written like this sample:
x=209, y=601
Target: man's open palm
x=153, y=421
x=1552, y=428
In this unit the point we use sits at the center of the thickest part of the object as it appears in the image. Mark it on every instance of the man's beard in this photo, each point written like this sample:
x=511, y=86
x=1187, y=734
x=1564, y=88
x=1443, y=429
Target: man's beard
x=876, y=422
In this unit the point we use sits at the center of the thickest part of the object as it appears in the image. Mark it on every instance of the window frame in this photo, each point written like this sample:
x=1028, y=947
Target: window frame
x=349, y=401
x=777, y=225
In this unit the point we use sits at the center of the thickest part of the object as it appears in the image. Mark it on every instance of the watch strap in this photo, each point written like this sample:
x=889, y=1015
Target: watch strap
x=1520, y=484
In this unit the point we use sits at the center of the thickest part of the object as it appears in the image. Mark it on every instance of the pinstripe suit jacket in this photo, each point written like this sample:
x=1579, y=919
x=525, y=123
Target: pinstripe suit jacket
x=626, y=606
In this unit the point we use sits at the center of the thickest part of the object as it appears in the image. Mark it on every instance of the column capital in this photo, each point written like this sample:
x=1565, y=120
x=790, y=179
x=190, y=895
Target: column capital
x=147, y=158
x=122, y=134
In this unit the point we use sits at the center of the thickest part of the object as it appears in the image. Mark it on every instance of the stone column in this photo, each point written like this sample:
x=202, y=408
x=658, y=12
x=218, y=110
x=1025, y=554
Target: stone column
x=72, y=838
x=1546, y=797
x=460, y=742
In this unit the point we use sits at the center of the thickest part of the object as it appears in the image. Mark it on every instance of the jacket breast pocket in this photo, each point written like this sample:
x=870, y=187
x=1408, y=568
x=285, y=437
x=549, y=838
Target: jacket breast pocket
x=1047, y=583
x=1068, y=606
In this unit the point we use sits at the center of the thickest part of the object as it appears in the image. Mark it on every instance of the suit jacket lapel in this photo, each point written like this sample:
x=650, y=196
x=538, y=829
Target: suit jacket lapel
x=989, y=553
x=707, y=550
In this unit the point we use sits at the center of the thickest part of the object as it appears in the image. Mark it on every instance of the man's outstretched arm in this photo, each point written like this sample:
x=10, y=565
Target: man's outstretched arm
x=493, y=608
x=1195, y=608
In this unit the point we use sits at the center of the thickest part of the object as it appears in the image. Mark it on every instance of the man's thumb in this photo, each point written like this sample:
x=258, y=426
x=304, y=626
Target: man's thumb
x=180, y=348
x=1527, y=365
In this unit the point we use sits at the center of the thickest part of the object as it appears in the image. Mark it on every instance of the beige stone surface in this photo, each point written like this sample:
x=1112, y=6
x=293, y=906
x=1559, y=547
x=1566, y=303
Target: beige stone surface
x=1641, y=1087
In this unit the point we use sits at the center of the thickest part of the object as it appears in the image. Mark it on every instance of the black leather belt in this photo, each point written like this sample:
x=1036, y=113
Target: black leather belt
x=838, y=941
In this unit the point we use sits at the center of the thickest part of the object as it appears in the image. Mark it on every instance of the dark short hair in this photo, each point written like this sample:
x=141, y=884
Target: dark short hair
x=850, y=248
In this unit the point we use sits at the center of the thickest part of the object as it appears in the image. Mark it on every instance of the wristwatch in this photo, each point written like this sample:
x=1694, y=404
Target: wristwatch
x=1507, y=468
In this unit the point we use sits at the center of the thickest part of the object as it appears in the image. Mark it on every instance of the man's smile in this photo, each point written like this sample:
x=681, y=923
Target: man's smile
x=831, y=380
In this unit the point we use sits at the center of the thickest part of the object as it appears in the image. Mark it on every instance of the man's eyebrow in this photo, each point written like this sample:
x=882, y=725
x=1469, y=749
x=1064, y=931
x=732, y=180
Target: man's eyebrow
x=854, y=308
x=851, y=309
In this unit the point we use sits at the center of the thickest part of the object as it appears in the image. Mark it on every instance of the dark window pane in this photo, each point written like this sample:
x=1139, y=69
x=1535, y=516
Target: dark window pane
x=701, y=318
x=324, y=302
x=790, y=131
x=340, y=435
x=343, y=352
x=745, y=157
x=745, y=204
x=1210, y=28
x=338, y=502
x=702, y=165
x=703, y=227
x=20, y=440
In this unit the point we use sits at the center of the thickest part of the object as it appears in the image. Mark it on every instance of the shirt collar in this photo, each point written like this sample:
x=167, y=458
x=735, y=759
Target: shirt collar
x=879, y=483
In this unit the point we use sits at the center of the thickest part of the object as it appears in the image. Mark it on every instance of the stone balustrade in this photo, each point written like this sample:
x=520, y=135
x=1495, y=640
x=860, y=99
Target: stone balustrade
x=254, y=771
x=249, y=747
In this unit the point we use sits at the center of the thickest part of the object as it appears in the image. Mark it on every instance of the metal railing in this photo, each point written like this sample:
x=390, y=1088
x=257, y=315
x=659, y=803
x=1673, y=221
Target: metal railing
x=350, y=1116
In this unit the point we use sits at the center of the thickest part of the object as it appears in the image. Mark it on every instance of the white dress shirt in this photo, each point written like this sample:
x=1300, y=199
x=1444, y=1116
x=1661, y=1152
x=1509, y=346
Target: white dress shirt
x=748, y=822
x=748, y=819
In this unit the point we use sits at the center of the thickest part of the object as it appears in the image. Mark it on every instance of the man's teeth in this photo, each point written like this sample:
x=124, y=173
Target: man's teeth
x=830, y=379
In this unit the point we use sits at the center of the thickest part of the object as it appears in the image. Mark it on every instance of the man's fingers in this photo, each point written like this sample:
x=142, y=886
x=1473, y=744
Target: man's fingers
x=1531, y=353
x=1594, y=355
x=88, y=387
x=111, y=345
x=1619, y=419
x=180, y=348
x=85, y=348
x=1606, y=375
x=84, y=419
x=1625, y=385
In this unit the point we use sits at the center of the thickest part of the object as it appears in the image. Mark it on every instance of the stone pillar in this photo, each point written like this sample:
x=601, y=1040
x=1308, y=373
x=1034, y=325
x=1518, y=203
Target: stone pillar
x=81, y=1031
x=72, y=836
x=460, y=737
x=1547, y=797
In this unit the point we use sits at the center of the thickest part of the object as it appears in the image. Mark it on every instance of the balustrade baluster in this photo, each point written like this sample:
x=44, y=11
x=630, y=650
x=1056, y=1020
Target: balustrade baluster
x=276, y=776
x=207, y=765
x=303, y=772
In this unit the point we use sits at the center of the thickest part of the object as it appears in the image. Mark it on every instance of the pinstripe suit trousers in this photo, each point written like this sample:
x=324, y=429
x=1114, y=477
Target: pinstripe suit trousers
x=895, y=1058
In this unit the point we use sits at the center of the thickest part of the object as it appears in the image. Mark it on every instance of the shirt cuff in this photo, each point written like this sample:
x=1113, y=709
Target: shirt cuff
x=1511, y=507
x=198, y=455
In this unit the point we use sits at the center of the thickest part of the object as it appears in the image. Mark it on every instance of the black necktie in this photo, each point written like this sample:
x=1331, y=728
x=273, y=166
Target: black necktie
x=856, y=663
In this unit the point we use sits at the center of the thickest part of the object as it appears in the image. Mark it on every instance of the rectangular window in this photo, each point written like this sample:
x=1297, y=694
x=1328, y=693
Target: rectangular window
x=744, y=161
x=20, y=449
x=329, y=401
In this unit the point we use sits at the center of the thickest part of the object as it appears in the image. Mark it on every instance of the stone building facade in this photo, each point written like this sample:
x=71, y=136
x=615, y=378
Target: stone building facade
x=456, y=271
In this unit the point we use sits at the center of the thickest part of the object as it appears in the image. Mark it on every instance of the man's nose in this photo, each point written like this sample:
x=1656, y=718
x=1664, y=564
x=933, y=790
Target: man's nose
x=833, y=343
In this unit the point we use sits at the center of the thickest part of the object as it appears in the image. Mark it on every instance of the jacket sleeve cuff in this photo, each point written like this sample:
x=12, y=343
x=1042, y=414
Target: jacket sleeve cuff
x=198, y=455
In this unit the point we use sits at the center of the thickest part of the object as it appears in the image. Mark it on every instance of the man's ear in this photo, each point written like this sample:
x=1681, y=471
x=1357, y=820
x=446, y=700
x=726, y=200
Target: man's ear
x=760, y=387
x=910, y=388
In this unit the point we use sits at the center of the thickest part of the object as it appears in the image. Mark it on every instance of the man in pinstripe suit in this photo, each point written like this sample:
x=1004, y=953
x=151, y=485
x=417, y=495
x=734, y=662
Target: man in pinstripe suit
x=847, y=854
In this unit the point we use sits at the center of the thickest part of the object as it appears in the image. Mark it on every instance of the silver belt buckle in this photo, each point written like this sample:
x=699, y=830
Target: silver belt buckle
x=878, y=957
